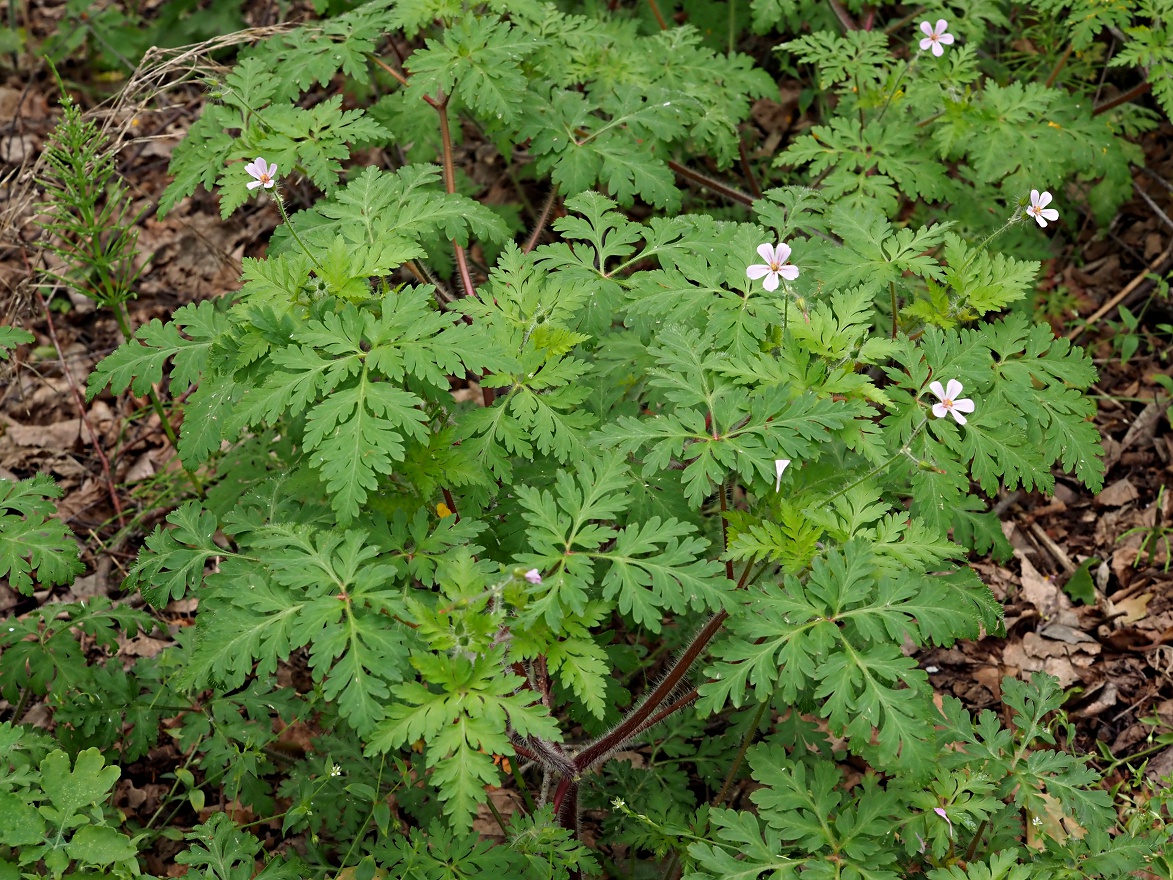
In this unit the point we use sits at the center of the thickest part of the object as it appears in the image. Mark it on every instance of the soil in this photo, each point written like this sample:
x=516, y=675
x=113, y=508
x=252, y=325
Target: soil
x=1113, y=652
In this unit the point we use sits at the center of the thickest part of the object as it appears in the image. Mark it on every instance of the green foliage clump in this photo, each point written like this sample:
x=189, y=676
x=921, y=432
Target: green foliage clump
x=464, y=522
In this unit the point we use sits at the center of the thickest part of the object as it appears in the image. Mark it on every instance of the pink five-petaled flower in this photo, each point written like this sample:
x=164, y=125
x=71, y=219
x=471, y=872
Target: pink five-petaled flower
x=935, y=36
x=950, y=404
x=533, y=576
x=1039, y=210
x=264, y=174
x=775, y=266
x=780, y=465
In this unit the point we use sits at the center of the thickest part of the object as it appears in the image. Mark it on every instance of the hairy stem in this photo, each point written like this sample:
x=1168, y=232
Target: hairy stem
x=123, y=321
x=1059, y=65
x=892, y=293
x=659, y=15
x=1130, y=95
x=745, y=743
x=634, y=722
x=734, y=195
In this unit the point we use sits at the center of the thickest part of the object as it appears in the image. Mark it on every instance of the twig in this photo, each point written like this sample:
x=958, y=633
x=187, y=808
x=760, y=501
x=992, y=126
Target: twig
x=1057, y=552
x=1156, y=208
x=1154, y=267
x=81, y=411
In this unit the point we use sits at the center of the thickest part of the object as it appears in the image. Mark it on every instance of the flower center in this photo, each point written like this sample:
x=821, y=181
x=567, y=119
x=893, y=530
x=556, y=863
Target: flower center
x=947, y=403
x=934, y=37
x=775, y=266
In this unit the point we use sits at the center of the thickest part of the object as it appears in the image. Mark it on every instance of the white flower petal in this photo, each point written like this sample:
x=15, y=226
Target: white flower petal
x=272, y=172
x=953, y=389
x=771, y=282
x=253, y=184
x=756, y=271
x=766, y=252
x=1049, y=213
x=965, y=405
x=939, y=410
x=788, y=272
x=782, y=253
x=269, y=183
x=958, y=417
x=938, y=389
x=1044, y=199
x=941, y=27
x=937, y=50
x=1042, y=222
x=780, y=465
x=926, y=44
x=947, y=39
x=1034, y=197
x=927, y=29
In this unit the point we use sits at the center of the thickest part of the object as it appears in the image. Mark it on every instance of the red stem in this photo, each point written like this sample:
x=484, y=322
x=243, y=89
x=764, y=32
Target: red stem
x=633, y=723
x=1134, y=92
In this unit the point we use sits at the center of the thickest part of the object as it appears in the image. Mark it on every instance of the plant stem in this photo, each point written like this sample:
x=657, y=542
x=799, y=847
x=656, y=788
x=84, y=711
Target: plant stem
x=734, y=195
x=726, y=491
x=896, y=85
x=1131, y=94
x=631, y=725
x=1059, y=65
x=745, y=743
x=543, y=218
x=123, y=321
x=892, y=293
x=82, y=412
x=659, y=15
x=284, y=216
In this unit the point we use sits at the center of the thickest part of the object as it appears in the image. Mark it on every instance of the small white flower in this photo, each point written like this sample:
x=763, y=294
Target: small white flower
x=335, y=770
x=950, y=404
x=780, y=465
x=533, y=576
x=935, y=36
x=1039, y=210
x=263, y=173
x=775, y=266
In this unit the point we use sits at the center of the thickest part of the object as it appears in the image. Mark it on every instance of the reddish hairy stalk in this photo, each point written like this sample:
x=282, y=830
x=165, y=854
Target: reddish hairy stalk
x=748, y=171
x=1131, y=94
x=633, y=723
x=734, y=195
x=843, y=15
x=659, y=15
x=532, y=241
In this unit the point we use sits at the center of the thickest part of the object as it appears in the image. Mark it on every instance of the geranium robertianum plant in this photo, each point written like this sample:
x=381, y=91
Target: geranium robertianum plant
x=760, y=475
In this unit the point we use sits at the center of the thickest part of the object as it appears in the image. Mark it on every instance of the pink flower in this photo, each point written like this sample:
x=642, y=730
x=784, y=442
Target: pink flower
x=533, y=576
x=775, y=266
x=263, y=173
x=950, y=405
x=1039, y=210
x=935, y=36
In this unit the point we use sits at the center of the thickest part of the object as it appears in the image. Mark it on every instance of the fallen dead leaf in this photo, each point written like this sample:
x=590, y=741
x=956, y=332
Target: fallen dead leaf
x=1118, y=494
x=59, y=435
x=1133, y=609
